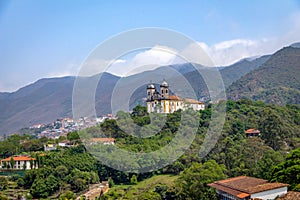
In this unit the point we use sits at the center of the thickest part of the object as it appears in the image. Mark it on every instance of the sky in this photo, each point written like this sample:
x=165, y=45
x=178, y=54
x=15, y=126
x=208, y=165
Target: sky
x=52, y=38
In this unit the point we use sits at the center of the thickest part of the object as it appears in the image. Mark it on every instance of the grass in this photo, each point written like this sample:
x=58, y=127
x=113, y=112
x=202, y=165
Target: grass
x=134, y=191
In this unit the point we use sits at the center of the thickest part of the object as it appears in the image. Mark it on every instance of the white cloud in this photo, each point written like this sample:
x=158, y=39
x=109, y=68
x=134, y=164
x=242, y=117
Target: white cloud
x=145, y=60
x=220, y=54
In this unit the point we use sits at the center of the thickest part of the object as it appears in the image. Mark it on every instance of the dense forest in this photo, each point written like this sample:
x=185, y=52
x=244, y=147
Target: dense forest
x=63, y=173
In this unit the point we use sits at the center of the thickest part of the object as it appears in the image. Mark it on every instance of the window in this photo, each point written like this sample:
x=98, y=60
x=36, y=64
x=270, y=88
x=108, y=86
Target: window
x=166, y=91
x=162, y=91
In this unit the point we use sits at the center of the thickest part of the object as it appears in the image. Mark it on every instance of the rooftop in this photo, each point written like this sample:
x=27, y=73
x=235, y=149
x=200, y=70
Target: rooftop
x=174, y=97
x=252, y=130
x=244, y=186
x=18, y=158
x=193, y=101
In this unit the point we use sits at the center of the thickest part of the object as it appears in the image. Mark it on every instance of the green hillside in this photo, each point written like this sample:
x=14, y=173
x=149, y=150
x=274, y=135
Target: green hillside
x=276, y=81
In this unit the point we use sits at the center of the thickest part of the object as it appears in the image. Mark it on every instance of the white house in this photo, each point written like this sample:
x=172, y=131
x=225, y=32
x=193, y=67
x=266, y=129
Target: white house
x=20, y=163
x=247, y=188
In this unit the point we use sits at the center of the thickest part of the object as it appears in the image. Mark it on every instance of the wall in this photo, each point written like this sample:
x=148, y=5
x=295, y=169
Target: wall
x=270, y=194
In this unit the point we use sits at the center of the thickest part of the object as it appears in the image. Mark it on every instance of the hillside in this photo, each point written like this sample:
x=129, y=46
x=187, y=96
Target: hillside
x=49, y=99
x=241, y=68
x=44, y=101
x=276, y=81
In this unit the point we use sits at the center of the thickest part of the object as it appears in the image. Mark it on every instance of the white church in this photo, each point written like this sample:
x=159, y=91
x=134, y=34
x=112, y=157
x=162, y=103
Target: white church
x=161, y=102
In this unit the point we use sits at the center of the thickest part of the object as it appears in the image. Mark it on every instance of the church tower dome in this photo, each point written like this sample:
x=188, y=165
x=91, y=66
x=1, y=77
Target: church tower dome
x=164, y=90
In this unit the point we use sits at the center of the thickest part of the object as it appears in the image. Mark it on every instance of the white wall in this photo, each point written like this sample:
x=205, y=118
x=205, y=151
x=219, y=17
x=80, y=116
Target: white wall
x=270, y=194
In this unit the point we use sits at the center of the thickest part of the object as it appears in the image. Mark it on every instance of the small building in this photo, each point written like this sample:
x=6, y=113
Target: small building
x=252, y=132
x=20, y=163
x=248, y=188
x=50, y=147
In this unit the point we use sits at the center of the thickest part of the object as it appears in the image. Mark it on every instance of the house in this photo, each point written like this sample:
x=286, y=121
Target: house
x=247, y=188
x=162, y=102
x=50, y=147
x=252, y=132
x=20, y=162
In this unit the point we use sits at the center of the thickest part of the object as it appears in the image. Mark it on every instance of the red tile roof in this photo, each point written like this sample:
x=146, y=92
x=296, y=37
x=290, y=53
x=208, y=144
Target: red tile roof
x=252, y=130
x=176, y=98
x=193, y=101
x=18, y=158
x=243, y=186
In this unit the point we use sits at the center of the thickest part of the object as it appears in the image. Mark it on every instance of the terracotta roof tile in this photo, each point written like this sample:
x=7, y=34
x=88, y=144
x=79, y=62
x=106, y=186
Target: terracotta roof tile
x=193, y=101
x=174, y=97
x=244, y=185
x=252, y=130
x=18, y=158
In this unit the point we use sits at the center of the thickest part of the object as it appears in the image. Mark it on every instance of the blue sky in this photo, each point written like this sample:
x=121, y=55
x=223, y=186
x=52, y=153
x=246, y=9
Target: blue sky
x=51, y=38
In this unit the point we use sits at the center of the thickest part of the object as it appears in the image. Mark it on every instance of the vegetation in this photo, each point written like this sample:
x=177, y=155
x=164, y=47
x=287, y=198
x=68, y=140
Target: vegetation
x=276, y=81
x=68, y=172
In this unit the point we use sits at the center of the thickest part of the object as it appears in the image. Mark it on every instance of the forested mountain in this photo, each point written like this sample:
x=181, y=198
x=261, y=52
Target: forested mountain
x=276, y=81
x=272, y=78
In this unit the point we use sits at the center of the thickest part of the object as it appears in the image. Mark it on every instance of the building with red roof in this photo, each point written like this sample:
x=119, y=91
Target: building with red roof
x=20, y=163
x=247, y=188
x=252, y=132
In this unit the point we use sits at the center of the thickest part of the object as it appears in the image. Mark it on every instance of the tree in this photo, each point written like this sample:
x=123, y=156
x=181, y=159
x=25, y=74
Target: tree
x=271, y=127
x=39, y=188
x=61, y=171
x=111, y=182
x=133, y=180
x=192, y=183
x=80, y=184
x=20, y=182
x=72, y=136
x=52, y=184
x=5, y=166
x=3, y=183
x=69, y=195
x=12, y=162
x=289, y=170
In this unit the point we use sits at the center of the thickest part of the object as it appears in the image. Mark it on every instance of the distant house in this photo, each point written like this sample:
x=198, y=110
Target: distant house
x=66, y=143
x=106, y=141
x=248, y=188
x=50, y=147
x=252, y=132
x=20, y=162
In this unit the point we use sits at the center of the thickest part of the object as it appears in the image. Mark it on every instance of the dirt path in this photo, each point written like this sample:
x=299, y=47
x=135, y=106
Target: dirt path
x=94, y=191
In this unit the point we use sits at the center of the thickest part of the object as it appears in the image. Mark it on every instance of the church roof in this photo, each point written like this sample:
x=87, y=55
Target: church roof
x=175, y=98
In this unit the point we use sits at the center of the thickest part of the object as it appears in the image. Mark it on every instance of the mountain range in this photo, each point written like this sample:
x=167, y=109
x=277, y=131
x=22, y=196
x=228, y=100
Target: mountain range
x=271, y=78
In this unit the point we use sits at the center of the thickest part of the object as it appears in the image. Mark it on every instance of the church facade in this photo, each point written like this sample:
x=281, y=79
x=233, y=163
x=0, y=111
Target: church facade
x=162, y=102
